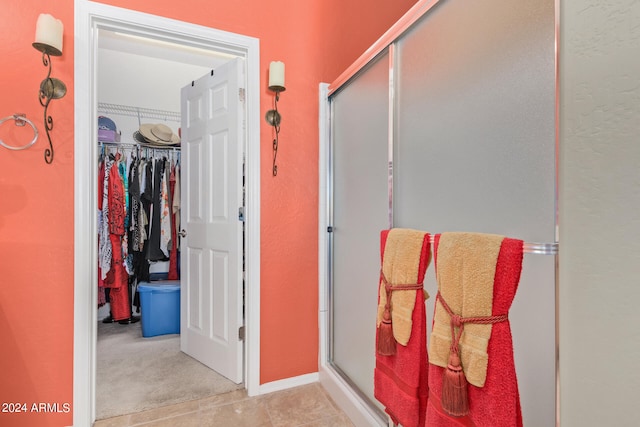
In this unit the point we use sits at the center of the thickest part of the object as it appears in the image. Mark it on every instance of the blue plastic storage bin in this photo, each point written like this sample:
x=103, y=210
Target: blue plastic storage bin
x=160, y=307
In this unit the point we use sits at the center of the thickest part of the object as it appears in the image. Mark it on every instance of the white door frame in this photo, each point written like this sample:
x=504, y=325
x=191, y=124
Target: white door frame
x=90, y=16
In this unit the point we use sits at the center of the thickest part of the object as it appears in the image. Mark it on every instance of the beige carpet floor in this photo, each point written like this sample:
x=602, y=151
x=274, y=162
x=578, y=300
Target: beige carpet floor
x=135, y=374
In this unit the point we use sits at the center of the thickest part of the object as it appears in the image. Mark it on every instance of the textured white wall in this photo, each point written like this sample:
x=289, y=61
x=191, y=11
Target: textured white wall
x=143, y=81
x=599, y=212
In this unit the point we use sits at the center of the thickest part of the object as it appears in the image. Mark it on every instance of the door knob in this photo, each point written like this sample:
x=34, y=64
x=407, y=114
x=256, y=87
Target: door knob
x=183, y=233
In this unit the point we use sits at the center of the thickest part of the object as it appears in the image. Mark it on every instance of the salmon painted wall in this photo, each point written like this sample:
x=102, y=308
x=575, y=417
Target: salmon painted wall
x=36, y=226
x=316, y=40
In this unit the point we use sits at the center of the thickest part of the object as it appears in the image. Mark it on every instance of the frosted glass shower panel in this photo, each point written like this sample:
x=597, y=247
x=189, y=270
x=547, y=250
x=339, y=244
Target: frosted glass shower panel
x=476, y=114
x=475, y=151
x=360, y=114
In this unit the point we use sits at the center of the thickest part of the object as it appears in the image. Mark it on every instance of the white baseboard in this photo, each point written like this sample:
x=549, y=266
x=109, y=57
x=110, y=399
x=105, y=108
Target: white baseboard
x=289, y=383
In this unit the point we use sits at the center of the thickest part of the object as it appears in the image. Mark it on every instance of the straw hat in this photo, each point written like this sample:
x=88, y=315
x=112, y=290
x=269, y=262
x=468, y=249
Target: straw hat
x=158, y=134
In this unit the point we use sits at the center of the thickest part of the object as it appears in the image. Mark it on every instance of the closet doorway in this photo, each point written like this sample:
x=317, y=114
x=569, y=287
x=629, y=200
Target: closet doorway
x=124, y=32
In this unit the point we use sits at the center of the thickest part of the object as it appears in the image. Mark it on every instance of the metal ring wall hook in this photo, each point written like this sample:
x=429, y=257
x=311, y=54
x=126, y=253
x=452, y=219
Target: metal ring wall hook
x=20, y=120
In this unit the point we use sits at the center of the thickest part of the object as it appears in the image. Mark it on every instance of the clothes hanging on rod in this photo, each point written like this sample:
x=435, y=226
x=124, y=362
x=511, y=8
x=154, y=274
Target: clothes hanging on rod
x=149, y=206
x=112, y=238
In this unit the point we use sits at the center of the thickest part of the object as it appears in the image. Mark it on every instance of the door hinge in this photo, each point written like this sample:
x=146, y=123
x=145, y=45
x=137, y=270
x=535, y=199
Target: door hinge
x=241, y=333
x=241, y=94
x=241, y=213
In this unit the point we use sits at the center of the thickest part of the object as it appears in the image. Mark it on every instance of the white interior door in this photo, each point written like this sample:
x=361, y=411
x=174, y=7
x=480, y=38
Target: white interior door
x=211, y=251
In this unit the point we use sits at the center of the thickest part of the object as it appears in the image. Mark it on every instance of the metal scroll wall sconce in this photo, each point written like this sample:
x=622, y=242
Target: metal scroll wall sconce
x=273, y=117
x=49, y=42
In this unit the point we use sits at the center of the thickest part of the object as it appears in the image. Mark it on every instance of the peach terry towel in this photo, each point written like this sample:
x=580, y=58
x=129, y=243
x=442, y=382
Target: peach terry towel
x=400, y=380
x=465, y=271
x=400, y=264
x=497, y=402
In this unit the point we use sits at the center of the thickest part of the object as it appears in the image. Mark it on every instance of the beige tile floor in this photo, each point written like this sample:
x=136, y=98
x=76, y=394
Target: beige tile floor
x=308, y=406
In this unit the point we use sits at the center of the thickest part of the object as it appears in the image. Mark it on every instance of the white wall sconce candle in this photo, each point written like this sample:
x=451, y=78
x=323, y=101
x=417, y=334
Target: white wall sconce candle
x=273, y=117
x=49, y=41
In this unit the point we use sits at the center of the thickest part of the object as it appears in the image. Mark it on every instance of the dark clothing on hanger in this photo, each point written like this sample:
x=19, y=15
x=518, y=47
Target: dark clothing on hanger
x=155, y=253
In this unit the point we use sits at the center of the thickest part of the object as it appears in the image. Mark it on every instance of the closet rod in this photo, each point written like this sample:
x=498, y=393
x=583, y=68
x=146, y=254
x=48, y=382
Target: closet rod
x=529, y=247
x=141, y=146
x=149, y=113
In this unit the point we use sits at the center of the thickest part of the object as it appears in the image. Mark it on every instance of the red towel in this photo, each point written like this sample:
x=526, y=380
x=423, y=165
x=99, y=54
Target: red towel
x=400, y=381
x=498, y=402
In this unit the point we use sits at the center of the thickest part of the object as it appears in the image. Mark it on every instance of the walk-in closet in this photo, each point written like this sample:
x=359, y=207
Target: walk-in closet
x=139, y=83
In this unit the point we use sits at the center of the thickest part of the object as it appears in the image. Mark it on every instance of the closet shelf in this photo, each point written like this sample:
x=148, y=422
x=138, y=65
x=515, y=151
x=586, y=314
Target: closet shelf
x=149, y=113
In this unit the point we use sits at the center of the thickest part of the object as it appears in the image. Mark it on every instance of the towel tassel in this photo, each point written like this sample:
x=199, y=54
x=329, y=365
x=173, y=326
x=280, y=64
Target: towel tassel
x=454, y=388
x=386, y=340
x=455, y=400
